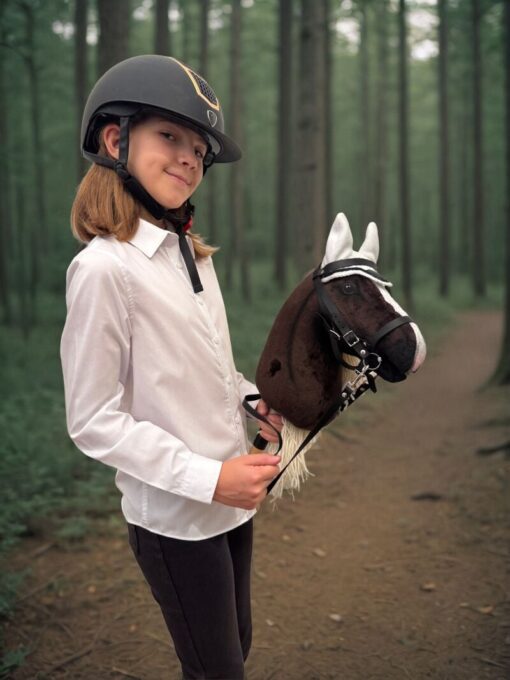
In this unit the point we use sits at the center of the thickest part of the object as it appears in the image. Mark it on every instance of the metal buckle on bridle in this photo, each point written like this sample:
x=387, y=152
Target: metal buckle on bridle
x=371, y=362
x=350, y=343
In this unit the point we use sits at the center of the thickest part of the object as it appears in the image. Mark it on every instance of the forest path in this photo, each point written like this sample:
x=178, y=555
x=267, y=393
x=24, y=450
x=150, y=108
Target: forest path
x=355, y=579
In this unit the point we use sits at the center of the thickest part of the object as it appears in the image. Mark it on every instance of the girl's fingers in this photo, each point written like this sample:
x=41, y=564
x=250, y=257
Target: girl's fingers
x=267, y=432
x=262, y=407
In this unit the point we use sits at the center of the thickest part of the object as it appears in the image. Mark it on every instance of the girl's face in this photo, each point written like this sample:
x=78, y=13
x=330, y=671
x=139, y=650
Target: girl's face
x=165, y=157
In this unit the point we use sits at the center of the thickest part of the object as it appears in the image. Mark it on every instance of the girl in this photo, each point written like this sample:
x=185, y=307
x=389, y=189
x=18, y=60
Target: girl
x=150, y=382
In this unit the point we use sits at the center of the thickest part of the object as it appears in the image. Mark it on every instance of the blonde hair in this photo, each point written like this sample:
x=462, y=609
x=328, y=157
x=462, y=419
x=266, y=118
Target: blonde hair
x=102, y=206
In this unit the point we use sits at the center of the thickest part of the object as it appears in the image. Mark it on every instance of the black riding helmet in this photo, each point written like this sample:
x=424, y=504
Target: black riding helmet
x=165, y=86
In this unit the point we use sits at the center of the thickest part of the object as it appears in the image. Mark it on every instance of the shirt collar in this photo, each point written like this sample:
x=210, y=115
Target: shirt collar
x=148, y=238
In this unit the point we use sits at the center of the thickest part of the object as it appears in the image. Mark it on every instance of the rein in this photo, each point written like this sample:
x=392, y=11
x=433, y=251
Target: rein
x=343, y=340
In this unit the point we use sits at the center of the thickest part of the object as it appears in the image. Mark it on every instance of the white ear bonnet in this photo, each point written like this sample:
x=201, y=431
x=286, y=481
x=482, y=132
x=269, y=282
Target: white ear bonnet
x=339, y=247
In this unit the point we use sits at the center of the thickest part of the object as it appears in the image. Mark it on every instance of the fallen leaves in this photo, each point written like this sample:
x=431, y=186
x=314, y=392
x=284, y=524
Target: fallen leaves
x=484, y=609
x=488, y=609
x=337, y=618
x=428, y=586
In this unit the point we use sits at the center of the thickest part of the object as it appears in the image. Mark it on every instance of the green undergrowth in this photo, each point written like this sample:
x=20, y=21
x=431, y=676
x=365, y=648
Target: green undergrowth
x=47, y=487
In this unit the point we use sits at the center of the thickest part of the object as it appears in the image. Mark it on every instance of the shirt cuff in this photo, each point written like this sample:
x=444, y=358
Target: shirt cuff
x=201, y=478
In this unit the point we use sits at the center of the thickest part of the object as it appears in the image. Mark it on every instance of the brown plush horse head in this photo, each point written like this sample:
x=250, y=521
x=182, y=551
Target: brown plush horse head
x=298, y=374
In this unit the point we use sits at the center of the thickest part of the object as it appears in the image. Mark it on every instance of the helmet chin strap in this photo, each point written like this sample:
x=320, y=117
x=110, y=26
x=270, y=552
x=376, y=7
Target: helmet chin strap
x=180, y=224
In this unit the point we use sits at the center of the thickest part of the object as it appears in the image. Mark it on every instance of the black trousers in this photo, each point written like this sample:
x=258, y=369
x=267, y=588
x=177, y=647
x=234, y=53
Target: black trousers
x=203, y=590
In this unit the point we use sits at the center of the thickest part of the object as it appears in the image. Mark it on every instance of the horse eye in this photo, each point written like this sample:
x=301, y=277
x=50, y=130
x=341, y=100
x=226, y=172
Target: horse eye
x=349, y=288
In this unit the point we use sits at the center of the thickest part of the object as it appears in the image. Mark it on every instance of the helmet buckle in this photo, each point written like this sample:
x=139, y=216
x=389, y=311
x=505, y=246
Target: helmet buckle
x=121, y=170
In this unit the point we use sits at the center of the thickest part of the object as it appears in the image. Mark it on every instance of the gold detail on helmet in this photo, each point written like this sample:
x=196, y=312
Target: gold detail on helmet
x=202, y=87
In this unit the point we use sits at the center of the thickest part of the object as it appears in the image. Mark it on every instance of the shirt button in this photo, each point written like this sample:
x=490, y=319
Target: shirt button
x=216, y=341
x=179, y=265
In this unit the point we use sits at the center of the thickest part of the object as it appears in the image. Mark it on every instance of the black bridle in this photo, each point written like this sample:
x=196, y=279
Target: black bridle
x=343, y=341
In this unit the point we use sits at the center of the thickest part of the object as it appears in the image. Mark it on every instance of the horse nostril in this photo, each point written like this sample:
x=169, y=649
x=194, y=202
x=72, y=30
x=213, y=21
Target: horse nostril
x=274, y=367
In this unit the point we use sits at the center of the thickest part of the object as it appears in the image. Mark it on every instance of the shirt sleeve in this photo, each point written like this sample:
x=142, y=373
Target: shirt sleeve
x=95, y=352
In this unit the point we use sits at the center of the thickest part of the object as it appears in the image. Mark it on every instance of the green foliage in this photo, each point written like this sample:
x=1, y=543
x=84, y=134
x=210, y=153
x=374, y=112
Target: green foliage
x=8, y=588
x=12, y=660
x=74, y=528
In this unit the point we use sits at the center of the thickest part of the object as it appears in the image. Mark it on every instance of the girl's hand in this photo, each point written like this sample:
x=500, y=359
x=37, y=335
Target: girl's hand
x=243, y=480
x=275, y=418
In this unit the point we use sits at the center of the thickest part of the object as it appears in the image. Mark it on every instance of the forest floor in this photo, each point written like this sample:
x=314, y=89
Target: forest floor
x=392, y=562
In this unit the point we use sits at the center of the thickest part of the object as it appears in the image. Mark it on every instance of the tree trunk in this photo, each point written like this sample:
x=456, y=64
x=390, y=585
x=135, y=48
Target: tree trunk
x=186, y=26
x=502, y=373
x=464, y=230
x=5, y=216
x=237, y=248
x=212, y=222
x=404, y=161
x=311, y=208
x=80, y=73
x=114, y=23
x=444, y=153
x=478, y=261
x=329, y=132
x=161, y=30
x=320, y=224
x=203, y=40
x=25, y=289
x=365, y=170
x=285, y=125
x=40, y=237
x=381, y=141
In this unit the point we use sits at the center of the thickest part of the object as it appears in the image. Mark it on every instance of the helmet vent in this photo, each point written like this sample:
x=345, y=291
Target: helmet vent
x=204, y=88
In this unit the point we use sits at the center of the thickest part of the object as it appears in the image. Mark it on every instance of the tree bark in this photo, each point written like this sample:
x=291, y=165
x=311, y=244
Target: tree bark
x=365, y=170
x=205, y=6
x=465, y=215
x=40, y=238
x=329, y=132
x=5, y=216
x=502, y=373
x=161, y=30
x=311, y=158
x=381, y=142
x=237, y=248
x=285, y=125
x=444, y=153
x=114, y=24
x=186, y=26
x=404, y=160
x=80, y=73
x=478, y=260
x=24, y=286
x=204, y=42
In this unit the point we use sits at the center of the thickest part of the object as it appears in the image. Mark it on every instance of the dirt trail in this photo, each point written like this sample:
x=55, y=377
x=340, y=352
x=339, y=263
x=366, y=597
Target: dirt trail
x=354, y=580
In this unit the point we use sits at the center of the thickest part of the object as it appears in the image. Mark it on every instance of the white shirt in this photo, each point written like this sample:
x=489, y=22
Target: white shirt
x=151, y=388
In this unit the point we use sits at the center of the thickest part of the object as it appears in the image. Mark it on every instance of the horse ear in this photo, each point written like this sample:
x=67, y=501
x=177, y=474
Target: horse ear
x=339, y=244
x=370, y=247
